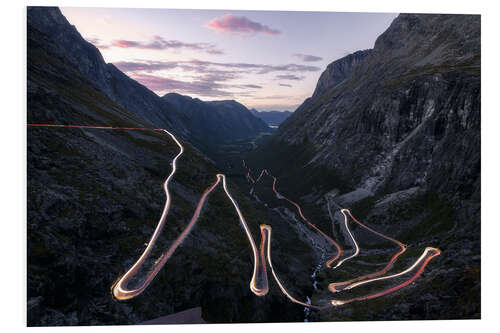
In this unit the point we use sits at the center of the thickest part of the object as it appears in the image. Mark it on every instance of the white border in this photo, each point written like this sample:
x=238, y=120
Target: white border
x=13, y=84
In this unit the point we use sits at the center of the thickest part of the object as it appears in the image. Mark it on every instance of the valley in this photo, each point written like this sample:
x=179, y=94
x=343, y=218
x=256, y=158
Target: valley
x=374, y=178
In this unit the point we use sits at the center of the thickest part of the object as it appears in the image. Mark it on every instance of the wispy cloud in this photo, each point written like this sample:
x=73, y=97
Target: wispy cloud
x=204, y=66
x=252, y=86
x=240, y=24
x=205, y=78
x=285, y=85
x=290, y=77
x=200, y=86
x=209, y=84
x=159, y=43
x=307, y=57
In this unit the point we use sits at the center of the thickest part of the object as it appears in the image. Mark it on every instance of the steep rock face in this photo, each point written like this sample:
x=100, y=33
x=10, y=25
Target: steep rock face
x=400, y=138
x=338, y=71
x=408, y=113
x=217, y=121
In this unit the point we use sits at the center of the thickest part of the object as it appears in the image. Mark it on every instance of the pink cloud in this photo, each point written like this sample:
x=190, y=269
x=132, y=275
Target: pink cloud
x=125, y=43
x=239, y=24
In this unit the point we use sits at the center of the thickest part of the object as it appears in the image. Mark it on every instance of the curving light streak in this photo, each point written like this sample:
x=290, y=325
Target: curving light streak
x=120, y=290
x=428, y=254
x=259, y=283
x=356, y=252
x=265, y=236
x=299, y=210
x=97, y=127
x=334, y=287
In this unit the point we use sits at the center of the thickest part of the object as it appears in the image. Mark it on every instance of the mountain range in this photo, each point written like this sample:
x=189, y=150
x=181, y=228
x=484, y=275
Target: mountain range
x=272, y=118
x=393, y=133
x=95, y=196
x=216, y=122
x=206, y=129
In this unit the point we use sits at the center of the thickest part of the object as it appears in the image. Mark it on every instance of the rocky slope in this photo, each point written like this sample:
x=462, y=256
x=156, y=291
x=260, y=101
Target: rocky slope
x=272, y=118
x=94, y=197
x=394, y=134
x=216, y=122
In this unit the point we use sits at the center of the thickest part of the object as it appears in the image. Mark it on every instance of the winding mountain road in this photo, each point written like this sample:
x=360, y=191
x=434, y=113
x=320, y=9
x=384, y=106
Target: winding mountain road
x=259, y=282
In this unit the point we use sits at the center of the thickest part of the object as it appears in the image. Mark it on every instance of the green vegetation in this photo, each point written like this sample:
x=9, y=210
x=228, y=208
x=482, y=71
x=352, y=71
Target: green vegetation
x=439, y=216
x=288, y=163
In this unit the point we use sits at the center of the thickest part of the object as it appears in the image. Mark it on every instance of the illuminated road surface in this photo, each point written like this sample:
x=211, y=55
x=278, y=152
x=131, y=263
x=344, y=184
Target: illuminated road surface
x=338, y=286
x=428, y=254
x=423, y=260
x=259, y=283
x=299, y=210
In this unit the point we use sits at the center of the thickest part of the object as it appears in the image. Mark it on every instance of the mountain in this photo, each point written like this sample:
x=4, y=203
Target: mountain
x=393, y=133
x=272, y=118
x=94, y=198
x=216, y=122
x=206, y=128
x=338, y=71
x=128, y=93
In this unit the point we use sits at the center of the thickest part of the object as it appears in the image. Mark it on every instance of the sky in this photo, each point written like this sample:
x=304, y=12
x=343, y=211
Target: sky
x=268, y=60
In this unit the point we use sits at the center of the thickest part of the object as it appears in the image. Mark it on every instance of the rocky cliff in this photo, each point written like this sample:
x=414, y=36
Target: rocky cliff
x=338, y=71
x=394, y=134
x=407, y=113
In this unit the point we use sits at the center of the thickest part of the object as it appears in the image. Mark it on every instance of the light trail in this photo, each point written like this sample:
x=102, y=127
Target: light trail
x=98, y=127
x=299, y=210
x=356, y=252
x=259, y=283
x=350, y=284
x=427, y=255
x=120, y=290
x=328, y=238
x=334, y=287
x=265, y=233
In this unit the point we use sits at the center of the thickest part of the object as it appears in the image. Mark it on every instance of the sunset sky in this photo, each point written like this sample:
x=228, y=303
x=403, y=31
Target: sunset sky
x=266, y=60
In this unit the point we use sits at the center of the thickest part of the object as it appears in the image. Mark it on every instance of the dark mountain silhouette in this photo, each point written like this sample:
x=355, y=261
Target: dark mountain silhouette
x=216, y=122
x=272, y=118
x=204, y=129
